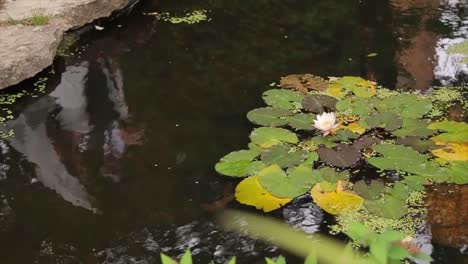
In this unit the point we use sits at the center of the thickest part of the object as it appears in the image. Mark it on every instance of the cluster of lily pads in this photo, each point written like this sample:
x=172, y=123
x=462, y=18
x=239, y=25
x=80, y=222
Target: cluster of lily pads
x=385, y=148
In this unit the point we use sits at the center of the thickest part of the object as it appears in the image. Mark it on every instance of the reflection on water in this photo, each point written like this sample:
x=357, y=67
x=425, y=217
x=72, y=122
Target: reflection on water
x=115, y=163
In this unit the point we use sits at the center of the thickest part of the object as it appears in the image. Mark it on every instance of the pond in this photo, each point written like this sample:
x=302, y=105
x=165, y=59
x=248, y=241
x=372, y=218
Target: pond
x=114, y=161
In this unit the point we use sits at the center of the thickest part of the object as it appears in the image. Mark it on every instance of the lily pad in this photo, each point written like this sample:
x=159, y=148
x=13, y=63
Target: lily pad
x=250, y=192
x=301, y=121
x=357, y=85
x=413, y=127
x=405, y=105
x=371, y=191
x=452, y=151
x=269, y=136
x=397, y=157
x=318, y=103
x=354, y=127
x=336, y=202
x=331, y=175
x=387, y=207
x=236, y=163
x=342, y=156
x=311, y=158
x=269, y=116
x=345, y=135
x=365, y=142
x=282, y=99
x=298, y=182
x=283, y=157
x=325, y=141
x=303, y=82
x=416, y=143
x=356, y=106
x=388, y=121
x=456, y=132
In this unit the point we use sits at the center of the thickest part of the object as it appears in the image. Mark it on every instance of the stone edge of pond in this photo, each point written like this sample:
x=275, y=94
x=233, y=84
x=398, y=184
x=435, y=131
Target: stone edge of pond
x=26, y=50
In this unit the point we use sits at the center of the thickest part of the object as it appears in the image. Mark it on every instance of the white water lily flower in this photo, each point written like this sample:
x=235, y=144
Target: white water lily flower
x=326, y=123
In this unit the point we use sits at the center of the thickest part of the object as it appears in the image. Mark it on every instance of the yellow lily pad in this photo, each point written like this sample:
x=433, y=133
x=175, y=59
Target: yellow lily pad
x=250, y=192
x=451, y=151
x=354, y=127
x=336, y=202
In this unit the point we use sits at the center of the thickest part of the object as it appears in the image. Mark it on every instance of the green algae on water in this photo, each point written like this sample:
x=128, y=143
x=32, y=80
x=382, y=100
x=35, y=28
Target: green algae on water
x=193, y=17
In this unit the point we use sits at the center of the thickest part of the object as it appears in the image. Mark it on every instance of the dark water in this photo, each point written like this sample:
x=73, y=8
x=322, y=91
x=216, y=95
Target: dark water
x=114, y=163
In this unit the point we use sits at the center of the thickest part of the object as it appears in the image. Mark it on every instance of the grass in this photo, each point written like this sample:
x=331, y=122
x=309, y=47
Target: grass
x=38, y=18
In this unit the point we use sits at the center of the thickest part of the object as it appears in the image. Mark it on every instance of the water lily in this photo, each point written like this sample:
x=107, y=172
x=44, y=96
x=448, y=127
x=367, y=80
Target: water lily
x=326, y=123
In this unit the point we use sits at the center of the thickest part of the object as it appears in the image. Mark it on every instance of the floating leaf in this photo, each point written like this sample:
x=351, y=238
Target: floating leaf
x=354, y=127
x=345, y=135
x=373, y=54
x=298, y=182
x=452, y=151
x=313, y=157
x=283, y=157
x=250, y=192
x=365, y=142
x=457, y=172
x=301, y=121
x=326, y=141
x=318, y=103
x=406, y=105
x=371, y=191
x=254, y=167
x=331, y=175
x=413, y=127
x=388, y=121
x=356, y=85
x=282, y=99
x=336, y=202
x=397, y=157
x=303, y=82
x=416, y=143
x=456, y=132
x=269, y=116
x=356, y=106
x=269, y=136
x=388, y=207
x=343, y=156
x=236, y=163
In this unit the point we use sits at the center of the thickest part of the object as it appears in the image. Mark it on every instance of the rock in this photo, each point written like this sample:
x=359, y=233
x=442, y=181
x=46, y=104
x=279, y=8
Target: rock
x=27, y=50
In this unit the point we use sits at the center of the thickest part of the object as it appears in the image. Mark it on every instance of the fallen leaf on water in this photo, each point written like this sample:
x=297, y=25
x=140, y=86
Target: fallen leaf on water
x=337, y=202
x=250, y=192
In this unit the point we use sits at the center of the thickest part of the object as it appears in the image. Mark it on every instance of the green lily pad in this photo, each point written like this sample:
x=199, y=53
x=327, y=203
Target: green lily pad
x=269, y=116
x=371, y=191
x=282, y=99
x=413, y=127
x=457, y=172
x=387, y=207
x=345, y=135
x=397, y=157
x=254, y=167
x=416, y=143
x=405, y=105
x=356, y=106
x=269, y=136
x=343, y=156
x=280, y=185
x=281, y=156
x=357, y=85
x=456, y=132
x=311, y=158
x=236, y=163
x=331, y=175
x=318, y=103
x=387, y=120
x=329, y=142
x=301, y=121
